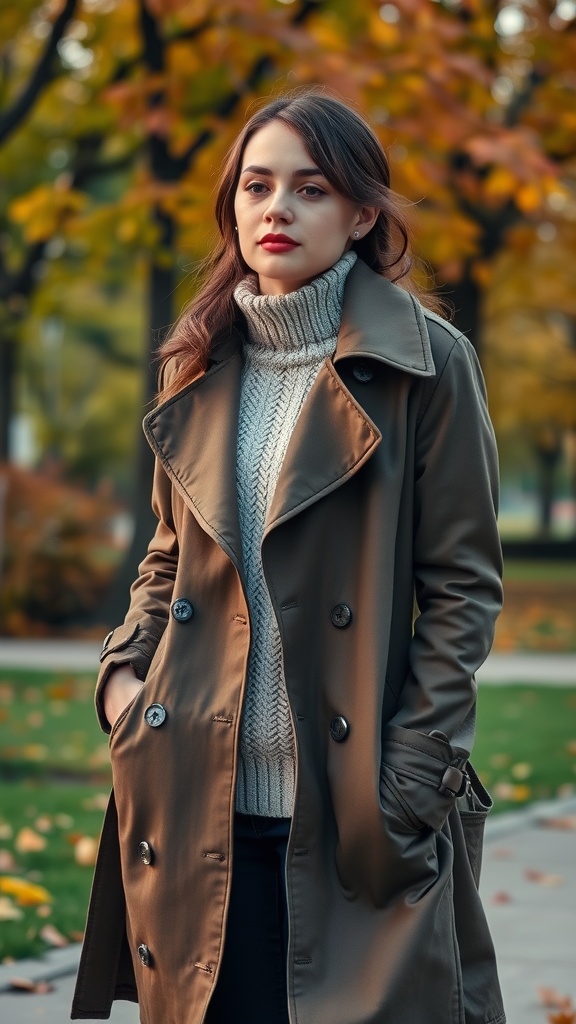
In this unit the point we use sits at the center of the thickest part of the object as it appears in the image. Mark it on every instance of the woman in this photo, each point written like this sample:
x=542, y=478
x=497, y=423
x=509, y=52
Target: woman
x=289, y=750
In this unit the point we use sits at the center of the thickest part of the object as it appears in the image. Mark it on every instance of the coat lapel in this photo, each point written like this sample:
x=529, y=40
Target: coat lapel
x=194, y=434
x=334, y=436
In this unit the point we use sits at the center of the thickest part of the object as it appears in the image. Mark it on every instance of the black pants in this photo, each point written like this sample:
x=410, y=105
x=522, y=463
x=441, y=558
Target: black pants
x=251, y=986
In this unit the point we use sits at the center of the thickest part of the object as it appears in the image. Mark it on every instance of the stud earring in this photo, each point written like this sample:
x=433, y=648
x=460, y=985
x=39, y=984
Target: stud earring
x=235, y=227
x=356, y=234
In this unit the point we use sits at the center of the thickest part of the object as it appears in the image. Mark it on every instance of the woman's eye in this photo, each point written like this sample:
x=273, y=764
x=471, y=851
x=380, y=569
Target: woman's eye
x=256, y=187
x=311, y=191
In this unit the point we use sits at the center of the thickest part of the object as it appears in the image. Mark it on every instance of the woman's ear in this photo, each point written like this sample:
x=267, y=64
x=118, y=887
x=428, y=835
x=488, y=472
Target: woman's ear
x=365, y=221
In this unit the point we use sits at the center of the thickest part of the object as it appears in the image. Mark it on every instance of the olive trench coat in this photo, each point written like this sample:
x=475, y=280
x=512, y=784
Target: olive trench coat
x=385, y=504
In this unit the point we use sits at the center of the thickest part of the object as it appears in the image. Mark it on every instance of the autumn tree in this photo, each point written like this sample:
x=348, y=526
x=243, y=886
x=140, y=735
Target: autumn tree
x=119, y=127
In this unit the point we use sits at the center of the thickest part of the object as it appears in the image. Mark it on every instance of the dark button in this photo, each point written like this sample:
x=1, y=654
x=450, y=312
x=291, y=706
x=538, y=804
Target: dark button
x=145, y=955
x=362, y=372
x=107, y=639
x=145, y=852
x=155, y=715
x=339, y=728
x=182, y=610
x=341, y=616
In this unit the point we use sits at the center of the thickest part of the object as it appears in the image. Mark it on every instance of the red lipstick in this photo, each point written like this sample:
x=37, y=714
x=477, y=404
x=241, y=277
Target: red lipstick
x=278, y=243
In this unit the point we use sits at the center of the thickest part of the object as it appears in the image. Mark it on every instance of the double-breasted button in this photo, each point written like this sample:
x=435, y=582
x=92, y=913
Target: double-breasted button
x=339, y=728
x=341, y=616
x=155, y=715
x=182, y=609
x=362, y=372
x=145, y=852
x=145, y=955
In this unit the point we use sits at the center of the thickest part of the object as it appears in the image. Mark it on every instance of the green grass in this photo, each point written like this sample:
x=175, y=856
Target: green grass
x=537, y=572
x=54, y=776
x=526, y=743
x=59, y=814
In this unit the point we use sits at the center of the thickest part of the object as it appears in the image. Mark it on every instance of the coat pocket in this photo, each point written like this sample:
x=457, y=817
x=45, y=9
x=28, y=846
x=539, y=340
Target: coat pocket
x=473, y=808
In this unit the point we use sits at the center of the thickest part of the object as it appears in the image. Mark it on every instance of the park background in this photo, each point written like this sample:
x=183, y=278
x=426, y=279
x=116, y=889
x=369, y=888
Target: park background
x=114, y=118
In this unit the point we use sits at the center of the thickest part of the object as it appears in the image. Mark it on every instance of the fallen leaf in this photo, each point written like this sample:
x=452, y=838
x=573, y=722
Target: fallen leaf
x=6, y=830
x=52, y=936
x=98, y=802
x=64, y=820
x=29, y=841
x=26, y=893
x=501, y=897
x=36, y=987
x=520, y=771
x=571, y=747
x=8, y=910
x=543, y=877
x=552, y=1000
x=567, y=822
x=35, y=751
x=43, y=910
x=563, y=1017
x=35, y=719
x=85, y=851
x=76, y=936
x=43, y=824
x=7, y=862
x=6, y=692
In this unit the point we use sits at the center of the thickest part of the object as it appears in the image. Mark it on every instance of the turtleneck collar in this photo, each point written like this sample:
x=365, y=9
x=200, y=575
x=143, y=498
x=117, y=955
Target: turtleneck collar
x=299, y=327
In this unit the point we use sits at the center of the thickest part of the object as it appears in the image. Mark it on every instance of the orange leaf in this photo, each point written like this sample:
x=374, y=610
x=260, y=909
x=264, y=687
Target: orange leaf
x=501, y=897
x=29, y=841
x=52, y=936
x=542, y=877
x=568, y=822
x=552, y=999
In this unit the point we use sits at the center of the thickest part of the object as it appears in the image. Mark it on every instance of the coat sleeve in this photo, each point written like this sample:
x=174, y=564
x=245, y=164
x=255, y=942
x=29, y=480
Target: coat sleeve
x=136, y=640
x=457, y=558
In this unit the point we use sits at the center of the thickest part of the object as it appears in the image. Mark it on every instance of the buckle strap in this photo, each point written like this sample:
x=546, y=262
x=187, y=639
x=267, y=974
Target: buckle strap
x=454, y=781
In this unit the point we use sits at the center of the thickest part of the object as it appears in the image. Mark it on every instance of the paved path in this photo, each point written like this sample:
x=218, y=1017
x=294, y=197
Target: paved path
x=530, y=667
x=529, y=891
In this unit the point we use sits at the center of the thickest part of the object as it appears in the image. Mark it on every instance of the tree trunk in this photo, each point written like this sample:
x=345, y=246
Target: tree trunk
x=548, y=450
x=160, y=313
x=465, y=298
x=7, y=368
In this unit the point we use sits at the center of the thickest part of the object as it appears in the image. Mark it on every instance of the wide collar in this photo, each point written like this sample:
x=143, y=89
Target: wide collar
x=384, y=322
x=195, y=433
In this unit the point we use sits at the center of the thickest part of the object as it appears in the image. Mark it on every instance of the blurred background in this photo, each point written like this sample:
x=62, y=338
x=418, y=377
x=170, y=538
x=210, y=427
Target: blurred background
x=114, y=118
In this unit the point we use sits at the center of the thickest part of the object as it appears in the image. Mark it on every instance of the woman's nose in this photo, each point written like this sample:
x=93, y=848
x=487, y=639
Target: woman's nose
x=279, y=208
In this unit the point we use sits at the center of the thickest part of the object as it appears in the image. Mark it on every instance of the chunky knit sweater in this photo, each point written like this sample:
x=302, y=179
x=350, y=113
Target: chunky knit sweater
x=289, y=337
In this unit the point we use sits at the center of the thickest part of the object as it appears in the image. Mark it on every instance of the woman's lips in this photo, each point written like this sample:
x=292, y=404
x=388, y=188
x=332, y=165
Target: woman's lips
x=278, y=243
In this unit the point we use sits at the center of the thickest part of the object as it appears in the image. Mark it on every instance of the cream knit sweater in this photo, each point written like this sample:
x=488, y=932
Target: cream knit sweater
x=289, y=337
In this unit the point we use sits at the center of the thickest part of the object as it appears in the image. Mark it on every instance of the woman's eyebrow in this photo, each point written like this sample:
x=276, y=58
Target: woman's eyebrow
x=304, y=172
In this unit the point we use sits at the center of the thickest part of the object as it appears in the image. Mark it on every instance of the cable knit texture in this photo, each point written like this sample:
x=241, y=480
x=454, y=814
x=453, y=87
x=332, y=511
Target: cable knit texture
x=289, y=337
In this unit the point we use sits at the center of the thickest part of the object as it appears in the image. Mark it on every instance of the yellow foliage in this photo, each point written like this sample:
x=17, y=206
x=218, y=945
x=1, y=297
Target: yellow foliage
x=43, y=210
x=26, y=894
x=529, y=197
x=500, y=184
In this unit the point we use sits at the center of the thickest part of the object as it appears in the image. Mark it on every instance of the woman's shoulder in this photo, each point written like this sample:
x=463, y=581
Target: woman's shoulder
x=447, y=341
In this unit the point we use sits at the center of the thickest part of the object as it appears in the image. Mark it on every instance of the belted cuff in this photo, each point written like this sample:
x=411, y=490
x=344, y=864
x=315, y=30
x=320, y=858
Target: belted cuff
x=428, y=773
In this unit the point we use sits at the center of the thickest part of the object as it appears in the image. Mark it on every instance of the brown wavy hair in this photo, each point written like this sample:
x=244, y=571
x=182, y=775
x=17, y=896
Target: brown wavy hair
x=346, y=150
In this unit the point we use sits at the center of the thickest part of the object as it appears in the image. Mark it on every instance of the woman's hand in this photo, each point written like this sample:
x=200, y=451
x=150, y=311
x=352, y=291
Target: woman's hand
x=121, y=687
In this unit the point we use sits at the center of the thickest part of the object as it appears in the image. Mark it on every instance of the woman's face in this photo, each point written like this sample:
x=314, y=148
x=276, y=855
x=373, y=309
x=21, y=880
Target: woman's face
x=292, y=224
